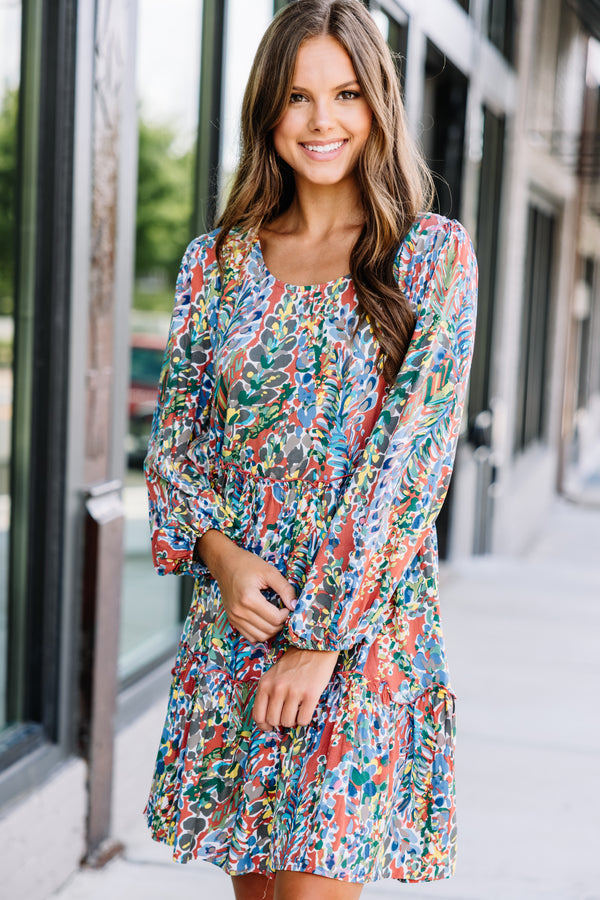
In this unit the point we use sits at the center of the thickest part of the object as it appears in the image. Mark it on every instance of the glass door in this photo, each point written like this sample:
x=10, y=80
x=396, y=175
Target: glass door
x=168, y=79
x=10, y=64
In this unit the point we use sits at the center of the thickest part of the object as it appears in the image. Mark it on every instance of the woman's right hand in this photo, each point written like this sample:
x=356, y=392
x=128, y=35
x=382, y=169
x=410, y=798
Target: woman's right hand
x=241, y=577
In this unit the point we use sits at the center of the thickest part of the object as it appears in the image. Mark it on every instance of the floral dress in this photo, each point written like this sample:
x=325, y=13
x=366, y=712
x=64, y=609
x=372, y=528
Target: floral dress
x=275, y=425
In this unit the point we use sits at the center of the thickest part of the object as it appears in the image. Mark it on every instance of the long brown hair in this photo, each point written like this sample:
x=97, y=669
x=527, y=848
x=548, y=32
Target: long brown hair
x=394, y=182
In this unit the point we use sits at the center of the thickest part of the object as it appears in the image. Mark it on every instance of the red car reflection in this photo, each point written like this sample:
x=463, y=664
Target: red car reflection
x=147, y=351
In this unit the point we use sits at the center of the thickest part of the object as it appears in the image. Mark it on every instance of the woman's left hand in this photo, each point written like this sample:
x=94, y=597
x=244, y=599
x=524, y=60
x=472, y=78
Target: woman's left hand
x=289, y=691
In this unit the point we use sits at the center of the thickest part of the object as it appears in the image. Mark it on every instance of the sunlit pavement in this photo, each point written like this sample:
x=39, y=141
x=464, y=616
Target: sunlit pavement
x=523, y=639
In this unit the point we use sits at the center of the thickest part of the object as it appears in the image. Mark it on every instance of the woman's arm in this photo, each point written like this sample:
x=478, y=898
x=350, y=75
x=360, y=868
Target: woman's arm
x=399, y=486
x=192, y=528
x=183, y=504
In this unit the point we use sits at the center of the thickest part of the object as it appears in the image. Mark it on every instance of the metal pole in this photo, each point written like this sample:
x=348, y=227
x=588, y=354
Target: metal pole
x=209, y=116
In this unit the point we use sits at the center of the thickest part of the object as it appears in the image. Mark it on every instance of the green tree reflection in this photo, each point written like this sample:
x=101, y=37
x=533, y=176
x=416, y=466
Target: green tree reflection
x=8, y=166
x=164, y=211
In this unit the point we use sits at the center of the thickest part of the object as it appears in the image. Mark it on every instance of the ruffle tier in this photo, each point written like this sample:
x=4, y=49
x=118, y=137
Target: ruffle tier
x=364, y=792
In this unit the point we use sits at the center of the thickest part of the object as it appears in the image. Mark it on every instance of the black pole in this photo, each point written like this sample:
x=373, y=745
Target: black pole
x=209, y=132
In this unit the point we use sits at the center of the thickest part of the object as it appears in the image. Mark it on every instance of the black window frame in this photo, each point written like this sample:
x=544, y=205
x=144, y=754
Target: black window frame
x=446, y=152
x=41, y=368
x=501, y=27
x=488, y=236
x=536, y=327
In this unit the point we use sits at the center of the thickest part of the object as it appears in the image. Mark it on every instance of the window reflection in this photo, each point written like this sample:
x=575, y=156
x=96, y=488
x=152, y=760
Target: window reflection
x=500, y=26
x=10, y=43
x=168, y=77
x=444, y=112
x=246, y=24
x=168, y=89
x=395, y=31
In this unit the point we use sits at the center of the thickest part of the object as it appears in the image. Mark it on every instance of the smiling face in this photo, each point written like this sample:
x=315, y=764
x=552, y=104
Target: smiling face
x=328, y=121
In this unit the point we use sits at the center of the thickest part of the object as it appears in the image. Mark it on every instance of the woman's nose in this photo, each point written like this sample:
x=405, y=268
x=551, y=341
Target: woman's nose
x=321, y=116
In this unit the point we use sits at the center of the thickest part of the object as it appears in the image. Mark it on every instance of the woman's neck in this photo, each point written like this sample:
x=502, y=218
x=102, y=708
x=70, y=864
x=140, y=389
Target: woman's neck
x=319, y=210
x=311, y=243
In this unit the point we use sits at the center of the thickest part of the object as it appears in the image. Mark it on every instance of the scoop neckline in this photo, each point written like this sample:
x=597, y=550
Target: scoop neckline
x=321, y=285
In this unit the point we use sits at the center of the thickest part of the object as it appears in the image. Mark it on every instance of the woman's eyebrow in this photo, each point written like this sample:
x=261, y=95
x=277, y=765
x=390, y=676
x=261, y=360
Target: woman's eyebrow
x=340, y=87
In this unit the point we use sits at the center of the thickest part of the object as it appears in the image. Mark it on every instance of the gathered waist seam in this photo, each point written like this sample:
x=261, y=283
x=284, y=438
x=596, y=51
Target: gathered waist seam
x=220, y=462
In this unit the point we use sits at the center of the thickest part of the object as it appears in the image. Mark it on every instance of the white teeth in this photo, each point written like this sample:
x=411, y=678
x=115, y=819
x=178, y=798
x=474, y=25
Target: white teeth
x=324, y=148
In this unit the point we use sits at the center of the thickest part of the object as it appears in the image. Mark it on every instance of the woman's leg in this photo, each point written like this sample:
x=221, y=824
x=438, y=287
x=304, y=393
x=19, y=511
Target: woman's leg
x=302, y=886
x=253, y=887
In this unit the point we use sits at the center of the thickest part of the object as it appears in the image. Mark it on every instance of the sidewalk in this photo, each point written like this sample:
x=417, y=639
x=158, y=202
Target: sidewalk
x=523, y=639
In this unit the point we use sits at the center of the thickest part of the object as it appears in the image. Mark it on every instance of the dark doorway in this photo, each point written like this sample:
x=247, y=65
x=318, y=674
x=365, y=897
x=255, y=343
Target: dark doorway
x=488, y=228
x=444, y=128
x=443, y=143
x=535, y=330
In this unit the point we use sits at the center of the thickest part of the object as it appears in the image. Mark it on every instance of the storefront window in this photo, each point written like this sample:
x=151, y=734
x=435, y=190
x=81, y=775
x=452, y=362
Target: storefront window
x=536, y=344
x=445, y=106
x=168, y=90
x=245, y=25
x=501, y=25
x=168, y=78
x=10, y=44
x=395, y=31
x=488, y=231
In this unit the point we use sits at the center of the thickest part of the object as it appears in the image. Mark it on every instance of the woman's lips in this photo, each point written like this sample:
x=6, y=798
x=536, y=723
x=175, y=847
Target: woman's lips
x=324, y=151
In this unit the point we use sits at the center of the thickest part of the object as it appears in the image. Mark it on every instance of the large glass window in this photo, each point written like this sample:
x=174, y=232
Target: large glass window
x=444, y=114
x=168, y=79
x=585, y=325
x=10, y=44
x=535, y=328
x=245, y=25
x=395, y=31
x=170, y=199
x=501, y=26
x=488, y=229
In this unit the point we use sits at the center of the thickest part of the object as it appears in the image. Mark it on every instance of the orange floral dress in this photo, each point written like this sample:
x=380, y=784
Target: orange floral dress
x=275, y=425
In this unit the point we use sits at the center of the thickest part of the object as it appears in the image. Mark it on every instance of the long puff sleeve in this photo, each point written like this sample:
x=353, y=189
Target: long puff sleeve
x=398, y=487
x=182, y=502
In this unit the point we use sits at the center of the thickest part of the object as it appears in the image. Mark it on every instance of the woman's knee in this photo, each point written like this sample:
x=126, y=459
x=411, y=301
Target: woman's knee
x=305, y=886
x=253, y=887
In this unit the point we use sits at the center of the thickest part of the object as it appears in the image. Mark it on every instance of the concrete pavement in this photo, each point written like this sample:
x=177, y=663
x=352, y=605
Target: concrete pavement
x=523, y=638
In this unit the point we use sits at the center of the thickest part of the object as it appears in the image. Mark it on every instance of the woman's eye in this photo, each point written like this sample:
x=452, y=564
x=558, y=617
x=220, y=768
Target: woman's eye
x=349, y=95
x=297, y=98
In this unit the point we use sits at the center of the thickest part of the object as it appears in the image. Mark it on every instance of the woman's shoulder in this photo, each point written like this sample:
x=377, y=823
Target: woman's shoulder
x=202, y=250
x=430, y=233
x=435, y=253
x=431, y=239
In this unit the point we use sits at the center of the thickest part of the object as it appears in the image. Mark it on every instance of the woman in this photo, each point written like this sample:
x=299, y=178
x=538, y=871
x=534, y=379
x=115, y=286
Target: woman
x=302, y=446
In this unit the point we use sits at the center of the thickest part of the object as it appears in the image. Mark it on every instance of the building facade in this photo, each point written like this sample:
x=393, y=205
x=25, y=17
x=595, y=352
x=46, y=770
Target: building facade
x=118, y=139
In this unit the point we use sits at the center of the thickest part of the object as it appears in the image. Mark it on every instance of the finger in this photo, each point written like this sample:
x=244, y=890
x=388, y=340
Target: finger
x=270, y=613
x=266, y=710
x=282, y=587
x=253, y=634
x=254, y=607
x=251, y=616
x=259, y=710
x=306, y=711
x=274, y=708
x=289, y=711
x=253, y=628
